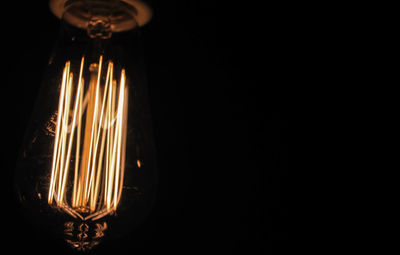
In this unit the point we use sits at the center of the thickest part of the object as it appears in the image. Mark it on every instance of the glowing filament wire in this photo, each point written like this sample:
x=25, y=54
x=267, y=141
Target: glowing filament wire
x=99, y=149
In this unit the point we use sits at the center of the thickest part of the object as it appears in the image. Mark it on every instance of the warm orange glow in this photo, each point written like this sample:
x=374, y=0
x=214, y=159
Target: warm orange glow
x=91, y=127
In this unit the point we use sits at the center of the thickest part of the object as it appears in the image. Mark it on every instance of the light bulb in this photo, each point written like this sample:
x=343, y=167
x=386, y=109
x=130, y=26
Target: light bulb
x=87, y=166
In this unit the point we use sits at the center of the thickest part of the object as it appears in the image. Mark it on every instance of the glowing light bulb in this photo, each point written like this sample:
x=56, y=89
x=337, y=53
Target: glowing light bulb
x=87, y=166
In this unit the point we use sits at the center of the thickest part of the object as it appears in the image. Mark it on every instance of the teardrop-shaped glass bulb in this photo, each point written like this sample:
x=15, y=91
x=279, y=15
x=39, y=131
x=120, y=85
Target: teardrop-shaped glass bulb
x=87, y=166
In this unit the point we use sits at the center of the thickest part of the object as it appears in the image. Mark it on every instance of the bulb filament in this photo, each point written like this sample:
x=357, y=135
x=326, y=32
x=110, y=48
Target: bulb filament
x=90, y=134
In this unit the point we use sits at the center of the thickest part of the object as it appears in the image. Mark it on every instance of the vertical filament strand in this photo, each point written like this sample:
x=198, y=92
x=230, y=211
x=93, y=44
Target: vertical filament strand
x=93, y=135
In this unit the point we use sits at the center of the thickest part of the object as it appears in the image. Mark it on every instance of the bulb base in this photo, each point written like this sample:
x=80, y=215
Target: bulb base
x=123, y=15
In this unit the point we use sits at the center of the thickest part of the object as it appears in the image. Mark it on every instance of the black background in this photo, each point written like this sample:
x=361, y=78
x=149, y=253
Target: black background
x=217, y=79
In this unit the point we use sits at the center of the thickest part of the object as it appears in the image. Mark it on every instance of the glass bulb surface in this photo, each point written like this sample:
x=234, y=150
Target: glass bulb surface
x=87, y=167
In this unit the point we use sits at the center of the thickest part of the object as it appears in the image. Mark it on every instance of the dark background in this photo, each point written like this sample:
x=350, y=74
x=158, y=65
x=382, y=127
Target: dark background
x=217, y=82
